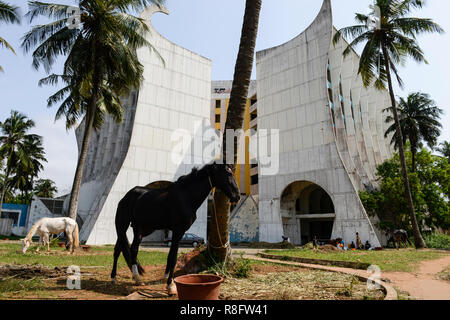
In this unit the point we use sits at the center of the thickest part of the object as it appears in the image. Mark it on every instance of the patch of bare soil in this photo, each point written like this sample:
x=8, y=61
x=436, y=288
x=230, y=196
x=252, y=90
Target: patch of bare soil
x=423, y=284
x=267, y=282
x=95, y=283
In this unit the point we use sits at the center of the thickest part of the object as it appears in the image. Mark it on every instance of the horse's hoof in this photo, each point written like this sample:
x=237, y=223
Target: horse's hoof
x=138, y=281
x=172, y=289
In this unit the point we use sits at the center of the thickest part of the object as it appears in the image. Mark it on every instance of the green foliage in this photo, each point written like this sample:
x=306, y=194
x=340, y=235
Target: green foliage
x=21, y=156
x=45, y=188
x=419, y=122
x=242, y=268
x=388, y=260
x=437, y=241
x=397, y=35
x=429, y=188
x=8, y=14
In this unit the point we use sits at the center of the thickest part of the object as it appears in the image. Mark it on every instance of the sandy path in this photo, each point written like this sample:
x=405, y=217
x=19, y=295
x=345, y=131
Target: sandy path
x=422, y=284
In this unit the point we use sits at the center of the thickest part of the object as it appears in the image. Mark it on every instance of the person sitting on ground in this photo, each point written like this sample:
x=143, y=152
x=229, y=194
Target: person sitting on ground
x=367, y=246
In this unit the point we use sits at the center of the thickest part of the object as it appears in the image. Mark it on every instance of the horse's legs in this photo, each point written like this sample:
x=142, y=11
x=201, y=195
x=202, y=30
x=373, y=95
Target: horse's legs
x=171, y=262
x=69, y=236
x=134, y=252
x=39, y=244
x=117, y=251
x=47, y=241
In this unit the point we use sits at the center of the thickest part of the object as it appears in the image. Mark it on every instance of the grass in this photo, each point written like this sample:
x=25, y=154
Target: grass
x=437, y=241
x=444, y=274
x=11, y=253
x=388, y=260
x=285, y=283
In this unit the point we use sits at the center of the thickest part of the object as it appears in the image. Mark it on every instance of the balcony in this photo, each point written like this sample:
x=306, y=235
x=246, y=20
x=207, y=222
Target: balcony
x=254, y=107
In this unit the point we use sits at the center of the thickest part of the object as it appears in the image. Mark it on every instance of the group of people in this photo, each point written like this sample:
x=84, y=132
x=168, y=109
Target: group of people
x=352, y=246
x=339, y=243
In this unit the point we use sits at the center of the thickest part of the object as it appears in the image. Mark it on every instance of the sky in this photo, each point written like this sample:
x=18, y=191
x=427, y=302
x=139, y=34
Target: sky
x=212, y=29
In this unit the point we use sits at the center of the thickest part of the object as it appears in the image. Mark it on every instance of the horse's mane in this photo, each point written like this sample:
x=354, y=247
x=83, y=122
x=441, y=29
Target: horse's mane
x=33, y=229
x=194, y=175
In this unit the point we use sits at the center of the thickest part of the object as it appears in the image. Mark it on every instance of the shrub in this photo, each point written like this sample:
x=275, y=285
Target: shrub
x=437, y=241
x=242, y=268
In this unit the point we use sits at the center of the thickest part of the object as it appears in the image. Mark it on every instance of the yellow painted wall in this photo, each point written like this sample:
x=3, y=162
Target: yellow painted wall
x=246, y=169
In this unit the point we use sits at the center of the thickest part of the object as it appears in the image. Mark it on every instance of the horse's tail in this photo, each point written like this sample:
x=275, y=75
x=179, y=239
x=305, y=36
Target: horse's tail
x=123, y=221
x=76, y=237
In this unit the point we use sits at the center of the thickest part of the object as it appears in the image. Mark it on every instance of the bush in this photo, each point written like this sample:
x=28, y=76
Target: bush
x=437, y=241
x=242, y=268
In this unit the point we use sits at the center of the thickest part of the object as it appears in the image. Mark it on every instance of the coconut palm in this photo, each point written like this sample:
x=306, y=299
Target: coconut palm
x=8, y=14
x=101, y=62
x=445, y=149
x=387, y=45
x=419, y=119
x=45, y=188
x=26, y=171
x=22, y=152
x=219, y=232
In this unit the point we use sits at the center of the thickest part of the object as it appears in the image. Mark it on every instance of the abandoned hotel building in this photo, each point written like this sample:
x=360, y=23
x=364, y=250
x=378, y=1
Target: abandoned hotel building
x=331, y=138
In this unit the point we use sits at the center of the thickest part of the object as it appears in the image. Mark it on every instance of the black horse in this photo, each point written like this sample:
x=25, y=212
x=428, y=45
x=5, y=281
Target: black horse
x=398, y=237
x=173, y=208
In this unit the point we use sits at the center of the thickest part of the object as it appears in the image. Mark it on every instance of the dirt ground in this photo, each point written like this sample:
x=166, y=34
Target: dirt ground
x=423, y=284
x=266, y=282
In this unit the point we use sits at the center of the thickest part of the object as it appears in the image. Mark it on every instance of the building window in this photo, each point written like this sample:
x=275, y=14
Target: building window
x=217, y=104
x=330, y=94
x=217, y=118
x=341, y=98
x=11, y=215
x=254, y=179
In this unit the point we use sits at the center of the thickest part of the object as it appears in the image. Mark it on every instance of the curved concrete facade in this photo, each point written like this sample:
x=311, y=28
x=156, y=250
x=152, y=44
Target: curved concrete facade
x=175, y=95
x=331, y=130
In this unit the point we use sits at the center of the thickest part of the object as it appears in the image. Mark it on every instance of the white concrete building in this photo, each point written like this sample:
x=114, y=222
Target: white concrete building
x=331, y=139
x=174, y=95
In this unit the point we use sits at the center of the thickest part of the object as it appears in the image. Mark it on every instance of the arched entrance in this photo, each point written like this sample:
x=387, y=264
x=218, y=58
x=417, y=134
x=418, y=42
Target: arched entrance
x=307, y=210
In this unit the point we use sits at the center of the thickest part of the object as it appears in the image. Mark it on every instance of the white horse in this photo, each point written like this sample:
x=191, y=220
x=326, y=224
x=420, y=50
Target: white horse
x=47, y=226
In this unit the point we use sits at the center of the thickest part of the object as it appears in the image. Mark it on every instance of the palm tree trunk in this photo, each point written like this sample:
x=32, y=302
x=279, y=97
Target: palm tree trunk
x=418, y=240
x=90, y=115
x=219, y=235
x=413, y=160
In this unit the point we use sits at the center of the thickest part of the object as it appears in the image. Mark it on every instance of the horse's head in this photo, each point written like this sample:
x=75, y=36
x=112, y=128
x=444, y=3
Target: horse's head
x=26, y=243
x=222, y=177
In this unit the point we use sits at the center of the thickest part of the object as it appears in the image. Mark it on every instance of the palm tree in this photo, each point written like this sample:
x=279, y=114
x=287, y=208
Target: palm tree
x=219, y=232
x=8, y=14
x=386, y=46
x=445, y=149
x=22, y=152
x=419, y=120
x=45, y=188
x=101, y=64
x=27, y=171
